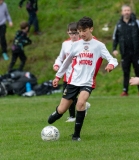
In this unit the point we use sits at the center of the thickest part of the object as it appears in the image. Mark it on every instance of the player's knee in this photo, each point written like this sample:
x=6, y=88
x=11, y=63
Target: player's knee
x=80, y=105
x=60, y=110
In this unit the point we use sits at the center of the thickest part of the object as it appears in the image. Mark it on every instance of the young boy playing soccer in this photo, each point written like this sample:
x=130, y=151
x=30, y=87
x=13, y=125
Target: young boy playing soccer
x=65, y=51
x=20, y=41
x=86, y=56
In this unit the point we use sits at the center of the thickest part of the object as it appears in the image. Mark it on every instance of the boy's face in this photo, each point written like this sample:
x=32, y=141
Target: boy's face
x=86, y=34
x=1, y=1
x=74, y=35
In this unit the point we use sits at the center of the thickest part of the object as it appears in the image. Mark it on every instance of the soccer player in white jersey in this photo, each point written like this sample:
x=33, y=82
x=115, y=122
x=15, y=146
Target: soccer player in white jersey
x=86, y=56
x=65, y=51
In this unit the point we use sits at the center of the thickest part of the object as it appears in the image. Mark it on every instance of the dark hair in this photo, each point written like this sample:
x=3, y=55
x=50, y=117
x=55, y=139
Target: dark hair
x=23, y=25
x=72, y=26
x=84, y=23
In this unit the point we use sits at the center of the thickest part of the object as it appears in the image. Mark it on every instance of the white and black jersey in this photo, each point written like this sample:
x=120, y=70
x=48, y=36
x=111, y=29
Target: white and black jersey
x=85, y=59
x=65, y=51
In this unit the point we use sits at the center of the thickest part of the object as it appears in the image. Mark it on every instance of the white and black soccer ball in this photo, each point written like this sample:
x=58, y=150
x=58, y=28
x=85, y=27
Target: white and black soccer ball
x=50, y=133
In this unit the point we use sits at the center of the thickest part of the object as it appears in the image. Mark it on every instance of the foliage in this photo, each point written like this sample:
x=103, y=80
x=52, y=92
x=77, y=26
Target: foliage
x=54, y=15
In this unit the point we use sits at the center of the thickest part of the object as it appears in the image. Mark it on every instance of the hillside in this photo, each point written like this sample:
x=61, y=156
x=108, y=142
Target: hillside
x=54, y=15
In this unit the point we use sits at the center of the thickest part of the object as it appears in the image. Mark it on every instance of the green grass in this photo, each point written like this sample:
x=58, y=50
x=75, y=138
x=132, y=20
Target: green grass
x=110, y=130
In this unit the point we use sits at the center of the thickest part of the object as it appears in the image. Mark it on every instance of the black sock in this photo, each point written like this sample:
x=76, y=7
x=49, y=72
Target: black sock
x=79, y=123
x=54, y=116
x=72, y=109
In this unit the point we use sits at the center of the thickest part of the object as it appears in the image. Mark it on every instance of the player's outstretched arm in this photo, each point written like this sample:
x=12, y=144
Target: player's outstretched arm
x=106, y=55
x=55, y=82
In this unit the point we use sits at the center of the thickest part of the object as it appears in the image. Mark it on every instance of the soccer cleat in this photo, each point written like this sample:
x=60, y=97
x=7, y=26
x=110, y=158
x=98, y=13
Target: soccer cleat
x=70, y=119
x=54, y=116
x=76, y=138
x=124, y=94
x=87, y=107
x=5, y=56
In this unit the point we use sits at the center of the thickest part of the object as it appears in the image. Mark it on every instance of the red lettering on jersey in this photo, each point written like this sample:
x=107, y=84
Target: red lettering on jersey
x=85, y=62
x=88, y=55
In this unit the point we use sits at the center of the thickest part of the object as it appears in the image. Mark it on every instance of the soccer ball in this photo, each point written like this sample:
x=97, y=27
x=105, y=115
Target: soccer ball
x=50, y=133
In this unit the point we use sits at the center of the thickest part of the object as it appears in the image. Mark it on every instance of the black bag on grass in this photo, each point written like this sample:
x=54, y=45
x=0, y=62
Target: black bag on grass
x=19, y=85
x=46, y=88
x=3, y=90
x=15, y=81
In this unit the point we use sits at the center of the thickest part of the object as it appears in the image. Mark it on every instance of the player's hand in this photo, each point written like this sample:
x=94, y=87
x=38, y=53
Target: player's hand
x=55, y=82
x=109, y=67
x=115, y=53
x=10, y=24
x=56, y=68
x=134, y=81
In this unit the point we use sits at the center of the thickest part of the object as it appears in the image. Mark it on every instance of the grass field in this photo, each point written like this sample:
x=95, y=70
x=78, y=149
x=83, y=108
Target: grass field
x=110, y=130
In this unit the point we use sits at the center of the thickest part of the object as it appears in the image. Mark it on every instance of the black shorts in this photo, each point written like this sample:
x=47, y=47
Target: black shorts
x=71, y=91
x=64, y=85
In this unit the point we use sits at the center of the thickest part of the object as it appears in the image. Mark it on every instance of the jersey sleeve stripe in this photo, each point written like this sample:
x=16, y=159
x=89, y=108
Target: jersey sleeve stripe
x=98, y=64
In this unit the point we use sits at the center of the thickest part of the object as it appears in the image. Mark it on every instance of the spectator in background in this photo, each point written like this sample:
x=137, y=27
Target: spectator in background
x=126, y=34
x=32, y=8
x=19, y=42
x=4, y=16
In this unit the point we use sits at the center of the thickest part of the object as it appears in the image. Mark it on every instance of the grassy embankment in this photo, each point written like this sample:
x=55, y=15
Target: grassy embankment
x=53, y=18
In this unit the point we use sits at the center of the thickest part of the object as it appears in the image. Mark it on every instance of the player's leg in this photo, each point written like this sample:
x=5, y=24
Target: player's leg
x=69, y=95
x=60, y=110
x=87, y=106
x=71, y=117
x=80, y=106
